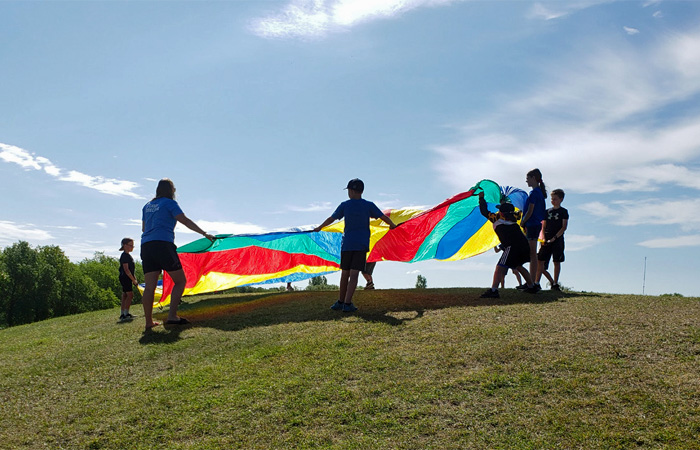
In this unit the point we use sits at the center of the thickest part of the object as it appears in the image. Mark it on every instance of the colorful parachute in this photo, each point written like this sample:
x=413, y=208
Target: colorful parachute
x=452, y=230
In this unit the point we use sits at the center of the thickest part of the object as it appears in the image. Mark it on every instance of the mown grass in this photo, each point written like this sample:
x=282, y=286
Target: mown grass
x=413, y=369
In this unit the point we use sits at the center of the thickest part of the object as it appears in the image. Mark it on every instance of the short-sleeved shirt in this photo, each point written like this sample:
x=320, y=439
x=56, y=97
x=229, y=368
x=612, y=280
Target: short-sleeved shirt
x=126, y=259
x=357, y=213
x=159, y=221
x=539, y=211
x=554, y=221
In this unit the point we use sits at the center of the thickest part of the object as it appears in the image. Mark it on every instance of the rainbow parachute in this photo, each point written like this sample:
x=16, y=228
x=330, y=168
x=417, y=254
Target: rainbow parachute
x=452, y=230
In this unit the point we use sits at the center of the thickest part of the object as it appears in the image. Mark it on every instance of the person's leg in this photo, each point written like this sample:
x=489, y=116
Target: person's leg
x=123, y=304
x=179, y=280
x=526, y=275
x=151, y=280
x=517, y=275
x=351, y=284
x=540, y=271
x=548, y=277
x=533, y=256
x=126, y=302
x=557, y=270
x=498, y=274
x=344, y=276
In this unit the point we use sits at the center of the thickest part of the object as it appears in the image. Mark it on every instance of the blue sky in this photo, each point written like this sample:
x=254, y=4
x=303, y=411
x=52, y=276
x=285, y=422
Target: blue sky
x=260, y=111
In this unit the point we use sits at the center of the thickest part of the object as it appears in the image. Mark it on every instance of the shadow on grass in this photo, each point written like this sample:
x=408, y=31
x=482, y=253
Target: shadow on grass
x=393, y=307
x=167, y=334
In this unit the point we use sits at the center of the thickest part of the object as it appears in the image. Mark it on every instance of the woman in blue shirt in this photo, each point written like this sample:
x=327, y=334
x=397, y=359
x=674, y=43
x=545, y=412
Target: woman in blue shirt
x=158, y=250
x=535, y=213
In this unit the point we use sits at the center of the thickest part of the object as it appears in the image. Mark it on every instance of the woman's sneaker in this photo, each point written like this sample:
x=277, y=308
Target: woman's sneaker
x=349, y=307
x=337, y=306
x=490, y=294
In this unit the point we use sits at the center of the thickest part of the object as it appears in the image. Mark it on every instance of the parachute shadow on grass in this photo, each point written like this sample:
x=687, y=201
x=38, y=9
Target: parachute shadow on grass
x=393, y=307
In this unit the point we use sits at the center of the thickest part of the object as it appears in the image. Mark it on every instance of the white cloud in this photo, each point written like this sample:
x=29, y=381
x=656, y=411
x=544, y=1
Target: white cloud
x=11, y=232
x=682, y=212
x=540, y=11
x=673, y=242
x=586, y=126
x=317, y=18
x=413, y=272
x=314, y=207
x=576, y=242
x=658, y=15
x=631, y=31
x=26, y=160
x=101, y=224
x=223, y=228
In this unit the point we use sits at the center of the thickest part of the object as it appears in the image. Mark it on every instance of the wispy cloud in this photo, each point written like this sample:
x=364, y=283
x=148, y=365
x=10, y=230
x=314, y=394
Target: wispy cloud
x=317, y=18
x=223, y=228
x=682, y=212
x=576, y=242
x=673, y=242
x=314, y=207
x=11, y=232
x=592, y=116
x=28, y=161
x=631, y=31
x=553, y=11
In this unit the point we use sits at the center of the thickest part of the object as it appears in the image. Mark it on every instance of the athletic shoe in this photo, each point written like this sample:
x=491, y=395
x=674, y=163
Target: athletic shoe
x=522, y=287
x=555, y=287
x=122, y=318
x=490, y=294
x=532, y=290
x=128, y=316
x=349, y=307
x=538, y=287
x=369, y=286
x=337, y=306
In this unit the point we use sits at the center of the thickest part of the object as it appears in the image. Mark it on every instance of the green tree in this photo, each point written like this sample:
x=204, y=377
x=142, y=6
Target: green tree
x=421, y=282
x=20, y=263
x=320, y=283
x=53, y=267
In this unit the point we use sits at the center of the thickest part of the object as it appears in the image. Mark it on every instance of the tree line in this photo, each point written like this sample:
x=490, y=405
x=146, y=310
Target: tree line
x=41, y=283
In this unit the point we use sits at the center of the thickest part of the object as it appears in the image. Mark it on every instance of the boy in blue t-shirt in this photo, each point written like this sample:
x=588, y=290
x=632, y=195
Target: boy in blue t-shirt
x=353, y=253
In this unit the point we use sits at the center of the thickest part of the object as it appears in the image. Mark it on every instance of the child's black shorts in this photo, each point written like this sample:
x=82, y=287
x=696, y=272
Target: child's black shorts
x=514, y=256
x=555, y=250
x=127, y=286
x=353, y=260
x=159, y=255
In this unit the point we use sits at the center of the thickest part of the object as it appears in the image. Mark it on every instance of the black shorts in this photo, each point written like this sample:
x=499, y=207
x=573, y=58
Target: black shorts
x=159, y=255
x=369, y=268
x=514, y=256
x=353, y=260
x=555, y=250
x=127, y=286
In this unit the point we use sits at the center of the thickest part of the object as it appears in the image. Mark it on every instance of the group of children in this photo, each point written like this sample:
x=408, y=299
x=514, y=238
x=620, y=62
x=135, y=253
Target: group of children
x=520, y=246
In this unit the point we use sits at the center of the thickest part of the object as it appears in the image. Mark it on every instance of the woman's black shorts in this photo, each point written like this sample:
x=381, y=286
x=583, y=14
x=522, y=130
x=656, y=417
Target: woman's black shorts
x=159, y=255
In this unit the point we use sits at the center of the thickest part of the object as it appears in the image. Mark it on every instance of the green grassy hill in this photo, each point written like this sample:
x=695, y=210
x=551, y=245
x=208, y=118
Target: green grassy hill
x=412, y=369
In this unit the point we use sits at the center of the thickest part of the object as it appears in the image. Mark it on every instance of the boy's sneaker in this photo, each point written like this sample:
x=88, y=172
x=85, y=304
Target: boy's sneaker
x=490, y=294
x=349, y=307
x=555, y=287
x=522, y=287
x=532, y=290
x=337, y=306
x=122, y=318
x=128, y=316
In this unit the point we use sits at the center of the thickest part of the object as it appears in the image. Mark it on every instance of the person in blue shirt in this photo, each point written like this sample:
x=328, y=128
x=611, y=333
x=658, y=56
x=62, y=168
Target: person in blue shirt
x=158, y=250
x=535, y=212
x=353, y=253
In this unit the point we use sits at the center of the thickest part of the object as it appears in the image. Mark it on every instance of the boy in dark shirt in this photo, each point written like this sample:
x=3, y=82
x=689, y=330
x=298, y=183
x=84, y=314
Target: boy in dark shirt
x=516, y=250
x=353, y=255
x=555, y=225
x=127, y=277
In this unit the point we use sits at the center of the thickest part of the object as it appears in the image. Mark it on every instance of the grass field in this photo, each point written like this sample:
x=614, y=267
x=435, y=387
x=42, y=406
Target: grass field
x=412, y=369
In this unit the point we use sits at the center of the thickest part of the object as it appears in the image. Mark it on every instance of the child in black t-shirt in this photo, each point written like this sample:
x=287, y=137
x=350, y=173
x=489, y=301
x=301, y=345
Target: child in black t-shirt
x=127, y=277
x=555, y=225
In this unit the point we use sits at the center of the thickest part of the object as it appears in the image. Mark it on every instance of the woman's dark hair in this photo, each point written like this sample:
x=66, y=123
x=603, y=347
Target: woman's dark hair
x=166, y=188
x=538, y=177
